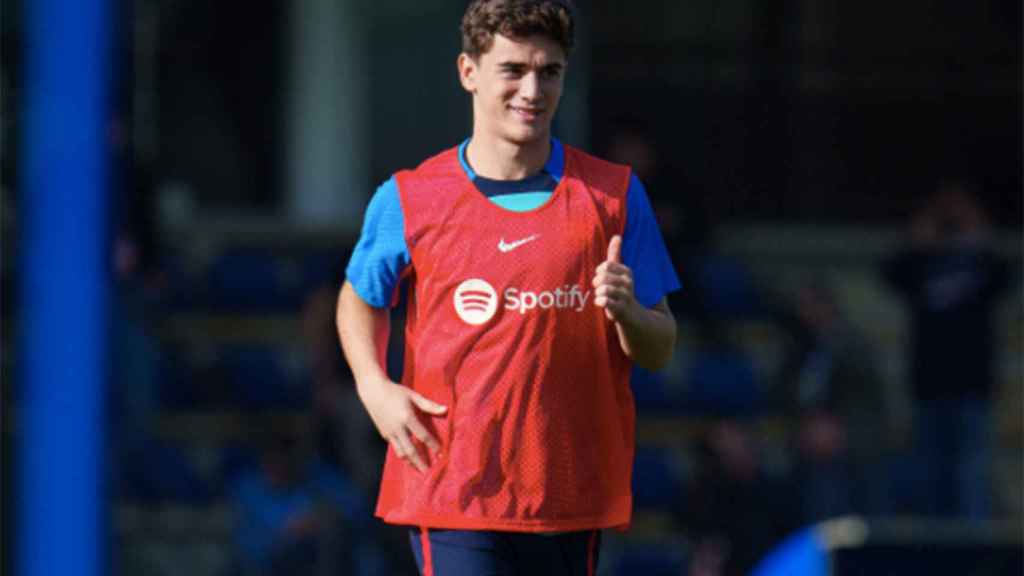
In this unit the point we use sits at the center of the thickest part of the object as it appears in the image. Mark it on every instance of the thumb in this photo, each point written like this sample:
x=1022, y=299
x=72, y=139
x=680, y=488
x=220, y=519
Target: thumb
x=428, y=406
x=615, y=250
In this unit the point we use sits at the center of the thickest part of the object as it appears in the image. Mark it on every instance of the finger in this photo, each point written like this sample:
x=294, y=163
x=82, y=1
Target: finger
x=416, y=459
x=428, y=406
x=407, y=451
x=613, y=300
x=612, y=270
x=615, y=249
x=614, y=288
x=621, y=282
x=396, y=446
x=421, y=434
x=614, y=309
x=617, y=269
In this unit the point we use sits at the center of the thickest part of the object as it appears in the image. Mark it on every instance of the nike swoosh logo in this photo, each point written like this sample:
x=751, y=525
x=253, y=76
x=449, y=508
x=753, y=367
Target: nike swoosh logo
x=506, y=247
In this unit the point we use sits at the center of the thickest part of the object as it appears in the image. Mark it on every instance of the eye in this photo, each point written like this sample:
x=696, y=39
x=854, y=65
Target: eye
x=551, y=73
x=511, y=72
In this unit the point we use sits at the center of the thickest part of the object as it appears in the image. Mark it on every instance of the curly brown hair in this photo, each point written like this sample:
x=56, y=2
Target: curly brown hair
x=516, y=19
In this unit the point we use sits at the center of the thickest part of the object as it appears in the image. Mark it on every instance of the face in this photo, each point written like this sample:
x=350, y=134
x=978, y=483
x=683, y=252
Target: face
x=516, y=86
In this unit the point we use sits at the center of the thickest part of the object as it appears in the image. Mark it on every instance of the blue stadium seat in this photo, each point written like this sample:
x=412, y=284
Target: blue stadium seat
x=726, y=287
x=236, y=458
x=250, y=278
x=258, y=278
x=160, y=473
x=266, y=377
x=659, y=479
x=723, y=382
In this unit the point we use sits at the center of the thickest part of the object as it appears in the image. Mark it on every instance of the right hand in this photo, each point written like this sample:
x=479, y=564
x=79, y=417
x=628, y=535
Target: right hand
x=394, y=410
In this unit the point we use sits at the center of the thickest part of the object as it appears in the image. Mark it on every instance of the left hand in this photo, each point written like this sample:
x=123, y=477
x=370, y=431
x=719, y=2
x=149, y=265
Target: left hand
x=613, y=284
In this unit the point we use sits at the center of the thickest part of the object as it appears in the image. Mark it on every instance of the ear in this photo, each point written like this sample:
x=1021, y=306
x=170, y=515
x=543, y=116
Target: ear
x=468, y=69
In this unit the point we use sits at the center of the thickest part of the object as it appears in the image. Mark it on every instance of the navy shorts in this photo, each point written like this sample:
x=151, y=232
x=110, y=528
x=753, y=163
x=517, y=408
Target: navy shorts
x=486, y=553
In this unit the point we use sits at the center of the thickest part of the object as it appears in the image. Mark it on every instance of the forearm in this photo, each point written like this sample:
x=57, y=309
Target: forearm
x=395, y=409
x=363, y=331
x=648, y=335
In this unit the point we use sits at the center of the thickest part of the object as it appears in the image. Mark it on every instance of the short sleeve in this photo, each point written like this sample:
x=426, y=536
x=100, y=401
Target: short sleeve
x=381, y=254
x=644, y=251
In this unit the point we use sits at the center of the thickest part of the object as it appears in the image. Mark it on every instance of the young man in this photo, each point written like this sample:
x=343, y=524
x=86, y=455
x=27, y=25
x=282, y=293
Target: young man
x=537, y=278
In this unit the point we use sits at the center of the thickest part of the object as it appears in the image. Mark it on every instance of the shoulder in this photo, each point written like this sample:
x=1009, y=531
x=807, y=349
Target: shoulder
x=591, y=163
x=384, y=204
x=611, y=178
x=420, y=183
x=637, y=195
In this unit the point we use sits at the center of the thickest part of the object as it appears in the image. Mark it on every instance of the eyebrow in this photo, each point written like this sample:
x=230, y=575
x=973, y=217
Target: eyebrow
x=520, y=66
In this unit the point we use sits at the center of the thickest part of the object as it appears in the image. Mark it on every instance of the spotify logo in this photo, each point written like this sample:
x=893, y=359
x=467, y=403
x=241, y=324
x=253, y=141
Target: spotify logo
x=475, y=301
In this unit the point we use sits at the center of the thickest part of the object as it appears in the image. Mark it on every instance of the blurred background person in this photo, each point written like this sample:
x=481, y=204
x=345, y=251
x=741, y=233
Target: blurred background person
x=294, y=514
x=950, y=276
x=843, y=421
x=736, y=510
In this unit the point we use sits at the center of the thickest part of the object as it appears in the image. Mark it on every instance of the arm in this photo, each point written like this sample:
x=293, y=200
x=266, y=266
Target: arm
x=393, y=408
x=364, y=332
x=647, y=335
x=904, y=270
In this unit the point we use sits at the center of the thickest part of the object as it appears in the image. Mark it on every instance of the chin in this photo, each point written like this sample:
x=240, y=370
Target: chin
x=525, y=136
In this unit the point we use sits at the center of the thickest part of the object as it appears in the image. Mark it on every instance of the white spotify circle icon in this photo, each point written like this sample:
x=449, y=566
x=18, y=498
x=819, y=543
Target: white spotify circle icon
x=475, y=301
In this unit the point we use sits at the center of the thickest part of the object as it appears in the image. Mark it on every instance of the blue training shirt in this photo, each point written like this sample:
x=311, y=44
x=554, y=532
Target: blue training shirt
x=381, y=254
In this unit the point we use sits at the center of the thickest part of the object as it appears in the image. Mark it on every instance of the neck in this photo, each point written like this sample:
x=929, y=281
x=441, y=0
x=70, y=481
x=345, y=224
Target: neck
x=500, y=159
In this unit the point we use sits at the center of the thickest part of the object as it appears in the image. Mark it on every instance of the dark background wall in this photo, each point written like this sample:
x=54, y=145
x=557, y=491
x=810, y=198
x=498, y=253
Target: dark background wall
x=800, y=110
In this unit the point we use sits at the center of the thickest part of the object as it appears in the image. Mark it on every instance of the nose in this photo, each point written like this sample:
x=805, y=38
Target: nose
x=530, y=88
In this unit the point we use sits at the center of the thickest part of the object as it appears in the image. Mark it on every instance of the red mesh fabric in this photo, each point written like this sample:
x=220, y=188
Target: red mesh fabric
x=502, y=329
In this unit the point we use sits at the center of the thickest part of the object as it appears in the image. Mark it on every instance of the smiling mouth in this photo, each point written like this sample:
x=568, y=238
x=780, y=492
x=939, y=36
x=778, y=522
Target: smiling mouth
x=528, y=113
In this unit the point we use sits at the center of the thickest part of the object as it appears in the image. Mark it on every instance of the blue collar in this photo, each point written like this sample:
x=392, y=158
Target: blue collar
x=555, y=165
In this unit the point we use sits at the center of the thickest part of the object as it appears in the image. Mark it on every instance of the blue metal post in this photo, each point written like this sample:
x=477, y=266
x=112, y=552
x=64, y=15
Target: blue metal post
x=63, y=288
